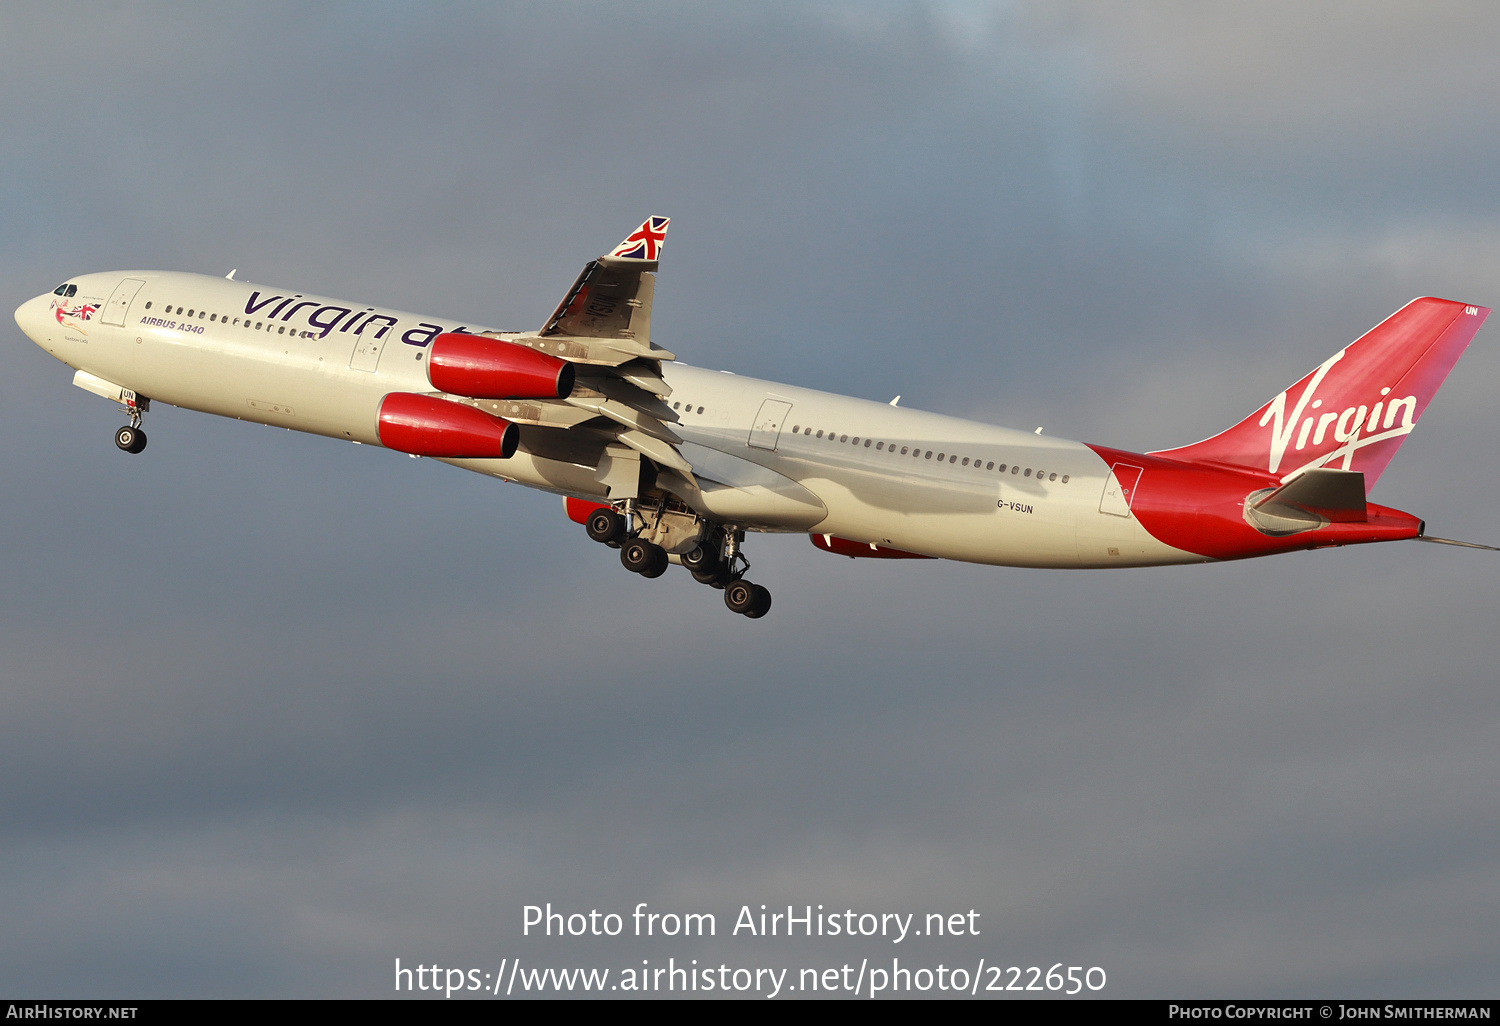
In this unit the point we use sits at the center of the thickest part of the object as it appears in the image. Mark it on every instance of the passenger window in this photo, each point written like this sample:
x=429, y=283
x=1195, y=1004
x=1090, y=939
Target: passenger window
x=843, y=438
x=989, y=466
x=953, y=458
x=820, y=432
x=1065, y=479
x=879, y=445
x=190, y=313
x=940, y=457
x=700, y=409
x=856, y=439
x=148, y=306
x=867, y=443
x=1028, y=471
x=1051, y=477
x=179, y=309
x=796, y=429
x=213, y=317
x=258, y=324
x=200, y=315
x=929, y=454
x=966, y=461
x=281, y=330
x=903, y=450
x=1016, y=469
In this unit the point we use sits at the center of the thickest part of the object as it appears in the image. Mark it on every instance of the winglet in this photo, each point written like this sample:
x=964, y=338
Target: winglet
x=645, y=242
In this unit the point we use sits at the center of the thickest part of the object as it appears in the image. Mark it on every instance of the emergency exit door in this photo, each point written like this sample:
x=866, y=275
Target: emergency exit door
x=768, y=423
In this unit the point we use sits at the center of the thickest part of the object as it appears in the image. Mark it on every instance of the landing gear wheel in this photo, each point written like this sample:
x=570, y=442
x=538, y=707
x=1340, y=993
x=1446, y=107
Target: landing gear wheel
x=714, y=576
x=642, y=557
x=605, y=525
x=130, y=439
x=659, y=566
x=739, y=596
x=761, y=604
x=700, y=558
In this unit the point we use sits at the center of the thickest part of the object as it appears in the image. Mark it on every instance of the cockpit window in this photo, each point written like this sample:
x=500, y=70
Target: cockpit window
x=65, y=290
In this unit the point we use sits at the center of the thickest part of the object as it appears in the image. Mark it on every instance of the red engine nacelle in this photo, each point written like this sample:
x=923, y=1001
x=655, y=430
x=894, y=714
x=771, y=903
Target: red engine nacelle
x=490, y=368
x=427, y=426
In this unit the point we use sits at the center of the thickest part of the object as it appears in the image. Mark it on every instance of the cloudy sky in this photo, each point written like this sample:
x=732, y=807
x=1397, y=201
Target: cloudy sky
x=275, y=712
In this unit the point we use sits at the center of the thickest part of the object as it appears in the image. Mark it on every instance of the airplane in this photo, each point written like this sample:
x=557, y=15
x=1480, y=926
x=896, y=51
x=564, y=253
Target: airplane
x=673, y=464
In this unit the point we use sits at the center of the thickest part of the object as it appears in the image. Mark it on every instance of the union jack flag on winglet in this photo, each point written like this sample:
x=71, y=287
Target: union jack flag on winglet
x=645, y=242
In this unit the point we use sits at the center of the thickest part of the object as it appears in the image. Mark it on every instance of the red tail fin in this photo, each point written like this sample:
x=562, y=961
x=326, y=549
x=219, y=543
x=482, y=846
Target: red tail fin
x=1354, y=411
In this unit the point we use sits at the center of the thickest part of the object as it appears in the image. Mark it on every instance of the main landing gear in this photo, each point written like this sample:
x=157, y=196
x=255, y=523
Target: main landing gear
x=131, y=438
x=715, y=561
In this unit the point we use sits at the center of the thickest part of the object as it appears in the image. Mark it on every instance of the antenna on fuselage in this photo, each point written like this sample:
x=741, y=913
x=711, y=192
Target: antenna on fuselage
x=230, y=275
x=895, y=400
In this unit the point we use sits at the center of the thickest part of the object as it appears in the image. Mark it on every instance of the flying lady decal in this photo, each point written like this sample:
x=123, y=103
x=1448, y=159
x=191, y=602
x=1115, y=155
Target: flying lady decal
x=73, y=317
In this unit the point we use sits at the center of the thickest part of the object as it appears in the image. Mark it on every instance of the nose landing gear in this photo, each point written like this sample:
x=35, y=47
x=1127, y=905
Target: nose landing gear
x=131, y=438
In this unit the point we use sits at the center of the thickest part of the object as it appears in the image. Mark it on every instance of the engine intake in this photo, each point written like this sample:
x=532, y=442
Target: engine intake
x=490, y=368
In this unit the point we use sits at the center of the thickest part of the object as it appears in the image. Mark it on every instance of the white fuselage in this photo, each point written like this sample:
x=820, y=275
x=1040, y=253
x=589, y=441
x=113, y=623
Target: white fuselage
x=860, y=470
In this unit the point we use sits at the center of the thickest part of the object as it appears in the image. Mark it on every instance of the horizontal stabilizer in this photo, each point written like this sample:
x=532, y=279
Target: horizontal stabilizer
x=1337, y=495
x=1310, y=501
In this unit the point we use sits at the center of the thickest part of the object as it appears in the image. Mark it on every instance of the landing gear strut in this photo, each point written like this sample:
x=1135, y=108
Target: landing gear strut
x=131, y=438
x=715, y=561
x=723, y=565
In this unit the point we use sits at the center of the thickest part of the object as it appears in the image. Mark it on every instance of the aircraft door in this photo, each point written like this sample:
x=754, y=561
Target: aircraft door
x=367, y=348
x=118, y=304
x=768, y=424
x=1119, y=490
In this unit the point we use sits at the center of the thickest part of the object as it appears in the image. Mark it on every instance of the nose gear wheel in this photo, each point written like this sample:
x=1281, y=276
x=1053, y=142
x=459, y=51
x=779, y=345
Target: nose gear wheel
x=130, y=438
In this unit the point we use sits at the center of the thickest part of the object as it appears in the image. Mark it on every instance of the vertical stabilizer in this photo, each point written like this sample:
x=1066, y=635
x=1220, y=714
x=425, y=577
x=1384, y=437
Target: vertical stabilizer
x=1356, y=408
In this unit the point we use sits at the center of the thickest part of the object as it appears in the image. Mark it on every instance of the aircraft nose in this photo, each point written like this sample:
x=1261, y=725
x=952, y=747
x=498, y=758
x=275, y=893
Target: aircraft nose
x=31, y=317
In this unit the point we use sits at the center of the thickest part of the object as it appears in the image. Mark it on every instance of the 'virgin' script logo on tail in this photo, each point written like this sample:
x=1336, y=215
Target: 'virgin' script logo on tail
x=1347, y=424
